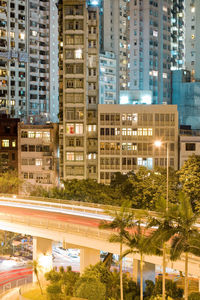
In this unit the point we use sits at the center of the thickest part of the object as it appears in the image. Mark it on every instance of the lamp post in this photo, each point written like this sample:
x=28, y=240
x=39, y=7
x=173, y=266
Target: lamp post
x=158, y=144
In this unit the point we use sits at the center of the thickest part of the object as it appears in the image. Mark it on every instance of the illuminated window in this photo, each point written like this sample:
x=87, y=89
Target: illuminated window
x=38, y=135
x=134, y=147
x=79, y=128
x=145, y=131
x=31, y=134
x=22, y=36
x=79, y=54
x=134, y=117
x=155, y=73
x=70, y=156
x=117, y=131
x=38, y=162
x=102, y=146
x=164, y=8
x=192, y=9
x=79, y=156
x=140, y=131
x=92, y=128
x=129, y=146
x=70, y=128
x=155, y=33
x=150, y=131
x=34, y=33
x=135, y=131
x=91, y=156
x=14, y=143
x=12, y=35
x=46, y=135
x=123, y=131
x=193, y=36
x=5, y=143
x=129, y=131
x=124, y=117
x=129, y=117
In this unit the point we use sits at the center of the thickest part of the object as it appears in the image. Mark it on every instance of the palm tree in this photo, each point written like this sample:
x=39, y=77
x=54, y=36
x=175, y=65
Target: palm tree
x=138, y=242
x=121, y=220
x=187, y=237
x=35, y=265
x=162, y=234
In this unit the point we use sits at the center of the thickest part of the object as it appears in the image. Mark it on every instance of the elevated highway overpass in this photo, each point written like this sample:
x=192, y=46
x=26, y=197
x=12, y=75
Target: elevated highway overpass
x=75, y=223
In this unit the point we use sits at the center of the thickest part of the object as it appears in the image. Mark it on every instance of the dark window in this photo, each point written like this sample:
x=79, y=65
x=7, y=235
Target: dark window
x=7, y=129
x=13, y=156
x=32, y=148
x=24, y=148
x=190, y=146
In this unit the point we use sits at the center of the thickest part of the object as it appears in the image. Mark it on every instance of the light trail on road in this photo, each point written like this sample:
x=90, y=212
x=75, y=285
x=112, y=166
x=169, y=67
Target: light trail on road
x=12, y=275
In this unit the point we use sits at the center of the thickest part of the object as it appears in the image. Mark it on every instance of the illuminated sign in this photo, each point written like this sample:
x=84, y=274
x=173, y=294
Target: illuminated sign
x=93, y=2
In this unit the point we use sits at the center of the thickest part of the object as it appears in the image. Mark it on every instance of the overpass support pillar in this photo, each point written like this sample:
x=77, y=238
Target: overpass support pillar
x=148, y=271
x=42, y=254
x=88, y=256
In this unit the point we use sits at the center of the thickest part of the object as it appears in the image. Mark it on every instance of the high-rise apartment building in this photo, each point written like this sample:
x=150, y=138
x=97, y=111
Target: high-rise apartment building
x=150, y=51
x=178, y=34
x=79, y=77
x=107, y=78
x=192, y=38
x=114, y=32
x=28, y=59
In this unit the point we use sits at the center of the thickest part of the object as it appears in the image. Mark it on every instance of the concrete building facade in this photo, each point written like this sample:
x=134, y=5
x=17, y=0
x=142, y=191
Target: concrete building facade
x=114, y=37
x=38, y=155
x=8, y=143
x=107, y=78
x=150, y=50
x=126, y=136
x=192, y=38
x=178, y=34
x=79, y=88
x=29, y=59
x=189, y=142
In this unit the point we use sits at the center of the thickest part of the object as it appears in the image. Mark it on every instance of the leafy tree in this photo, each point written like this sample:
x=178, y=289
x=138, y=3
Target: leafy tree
x=54, y=291
x=69, y=279
x=122, y=219
x=90, y=287
x=101, y=272
x=171, y=289
x=194, y=296
x=189, y=179
x=146, y=187
x=149, y=288
x=66, y=280
x=9, y=182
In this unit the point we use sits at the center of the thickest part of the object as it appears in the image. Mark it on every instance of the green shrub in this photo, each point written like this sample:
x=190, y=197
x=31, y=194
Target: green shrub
x=194, y=296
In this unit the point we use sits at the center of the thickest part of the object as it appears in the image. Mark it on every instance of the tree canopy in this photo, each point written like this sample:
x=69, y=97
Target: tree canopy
x=143, y=188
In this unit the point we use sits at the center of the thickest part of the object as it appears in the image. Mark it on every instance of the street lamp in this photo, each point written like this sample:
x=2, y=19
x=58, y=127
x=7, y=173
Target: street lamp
x=158, y=144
